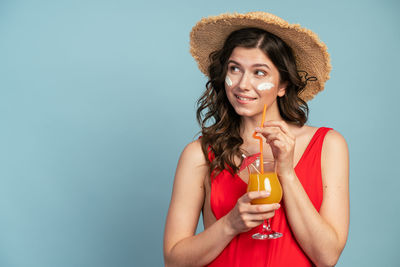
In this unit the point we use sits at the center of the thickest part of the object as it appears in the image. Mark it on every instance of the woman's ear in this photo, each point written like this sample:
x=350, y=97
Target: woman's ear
x=282, y=89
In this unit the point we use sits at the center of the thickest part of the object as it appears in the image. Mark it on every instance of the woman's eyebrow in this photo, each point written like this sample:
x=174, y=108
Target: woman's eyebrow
x=233, y=61
x=262, y=65
x=255, y=65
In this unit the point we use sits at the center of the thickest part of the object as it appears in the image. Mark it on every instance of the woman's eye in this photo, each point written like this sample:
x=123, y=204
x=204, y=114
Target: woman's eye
x=234, y=69
x=260, y=73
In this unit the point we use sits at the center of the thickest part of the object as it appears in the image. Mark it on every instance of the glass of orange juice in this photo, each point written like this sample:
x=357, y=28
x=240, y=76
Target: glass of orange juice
x=264, y=181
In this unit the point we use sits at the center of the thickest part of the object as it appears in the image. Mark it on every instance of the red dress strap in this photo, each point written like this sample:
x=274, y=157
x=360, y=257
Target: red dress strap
x=316, y=140
x=211, y=155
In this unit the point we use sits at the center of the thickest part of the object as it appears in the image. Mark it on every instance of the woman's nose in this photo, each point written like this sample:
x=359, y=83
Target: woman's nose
x=244, y=83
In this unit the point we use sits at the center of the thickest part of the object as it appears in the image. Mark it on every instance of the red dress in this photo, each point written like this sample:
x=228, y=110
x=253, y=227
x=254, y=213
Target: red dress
x=284, y=251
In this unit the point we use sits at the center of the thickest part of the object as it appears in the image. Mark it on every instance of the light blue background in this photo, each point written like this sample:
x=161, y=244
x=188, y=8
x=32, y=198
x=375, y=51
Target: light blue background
x=97, y=100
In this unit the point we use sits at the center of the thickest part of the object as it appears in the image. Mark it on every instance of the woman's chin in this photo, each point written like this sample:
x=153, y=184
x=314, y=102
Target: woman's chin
x=244, y=112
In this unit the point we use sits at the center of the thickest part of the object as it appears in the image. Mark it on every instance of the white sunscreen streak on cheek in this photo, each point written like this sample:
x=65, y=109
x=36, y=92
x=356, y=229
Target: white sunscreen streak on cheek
x=265, y=86
x=228, y=81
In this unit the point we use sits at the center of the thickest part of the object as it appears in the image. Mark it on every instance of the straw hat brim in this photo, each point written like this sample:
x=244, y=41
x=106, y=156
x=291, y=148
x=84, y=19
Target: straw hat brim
x=311, y=55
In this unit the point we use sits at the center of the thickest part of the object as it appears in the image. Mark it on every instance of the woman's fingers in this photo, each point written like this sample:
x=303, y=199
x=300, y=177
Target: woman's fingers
x=278, y=139
x=261, y=216
x=245, y=216
x=274, y=133
x=247, y=207
x=273, y=130
x=249, y=196
x=263, y=208
x=282, y=125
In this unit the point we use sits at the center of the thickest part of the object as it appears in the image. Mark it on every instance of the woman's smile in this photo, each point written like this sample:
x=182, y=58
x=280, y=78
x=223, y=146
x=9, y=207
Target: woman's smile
x=244, y=99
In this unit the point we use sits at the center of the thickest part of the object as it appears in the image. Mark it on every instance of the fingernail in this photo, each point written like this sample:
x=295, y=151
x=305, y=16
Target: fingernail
x=278, y=205
x=258, y=129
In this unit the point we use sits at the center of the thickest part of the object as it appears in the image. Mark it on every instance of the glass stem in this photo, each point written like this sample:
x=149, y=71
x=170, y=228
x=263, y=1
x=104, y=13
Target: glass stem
x=266, y=227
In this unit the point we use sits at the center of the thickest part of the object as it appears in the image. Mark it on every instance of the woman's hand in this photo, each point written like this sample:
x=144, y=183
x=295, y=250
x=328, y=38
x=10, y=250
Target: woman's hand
x=245, y=216
x=282, y=142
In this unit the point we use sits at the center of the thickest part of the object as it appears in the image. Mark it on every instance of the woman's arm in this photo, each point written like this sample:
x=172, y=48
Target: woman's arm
x=321, y=235
x=181, y=246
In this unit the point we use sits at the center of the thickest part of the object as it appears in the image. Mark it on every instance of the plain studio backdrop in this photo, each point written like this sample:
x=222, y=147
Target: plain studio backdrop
x=97, y=101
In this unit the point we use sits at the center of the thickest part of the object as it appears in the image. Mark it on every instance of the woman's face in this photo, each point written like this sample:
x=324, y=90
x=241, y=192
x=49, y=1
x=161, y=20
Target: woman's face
x=252, y=80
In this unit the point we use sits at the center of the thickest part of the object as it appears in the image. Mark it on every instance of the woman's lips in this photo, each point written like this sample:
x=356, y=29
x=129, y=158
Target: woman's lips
x=244, y=99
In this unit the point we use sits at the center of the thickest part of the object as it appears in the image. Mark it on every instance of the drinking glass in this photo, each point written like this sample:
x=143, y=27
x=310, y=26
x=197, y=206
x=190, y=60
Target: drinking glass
x=264, y=181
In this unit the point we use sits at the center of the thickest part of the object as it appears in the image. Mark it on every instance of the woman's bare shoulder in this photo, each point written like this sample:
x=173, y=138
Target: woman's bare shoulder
x=335, y=136
x=335, y=157
x=192, y=163
x=334, y=142
x=194, y=153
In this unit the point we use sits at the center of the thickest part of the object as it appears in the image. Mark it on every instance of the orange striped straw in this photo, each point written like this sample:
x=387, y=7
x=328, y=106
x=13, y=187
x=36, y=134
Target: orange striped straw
x=261, y=140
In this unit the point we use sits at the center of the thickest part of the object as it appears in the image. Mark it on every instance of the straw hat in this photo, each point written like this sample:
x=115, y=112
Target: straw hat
x=312, y=58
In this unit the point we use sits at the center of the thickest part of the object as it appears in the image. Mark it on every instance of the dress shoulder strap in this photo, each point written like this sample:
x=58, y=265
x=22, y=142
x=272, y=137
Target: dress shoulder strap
x=211, y=155
x=316, y=141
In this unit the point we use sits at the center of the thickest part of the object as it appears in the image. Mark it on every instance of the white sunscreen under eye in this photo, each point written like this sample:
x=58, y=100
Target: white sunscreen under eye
x=228, y=81
x=265, y=86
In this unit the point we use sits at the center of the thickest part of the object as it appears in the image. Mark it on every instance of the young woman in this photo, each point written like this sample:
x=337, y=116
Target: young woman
x=251, y=60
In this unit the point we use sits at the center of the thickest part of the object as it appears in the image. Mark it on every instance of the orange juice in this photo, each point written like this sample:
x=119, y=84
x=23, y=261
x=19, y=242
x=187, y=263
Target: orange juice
x=266, y=181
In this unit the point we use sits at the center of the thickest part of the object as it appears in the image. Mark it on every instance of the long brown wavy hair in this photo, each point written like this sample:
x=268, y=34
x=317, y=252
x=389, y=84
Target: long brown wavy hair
x=220, y=124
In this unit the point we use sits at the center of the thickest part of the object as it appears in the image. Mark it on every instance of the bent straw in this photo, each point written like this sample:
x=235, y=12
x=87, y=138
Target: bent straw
x=260, y=139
